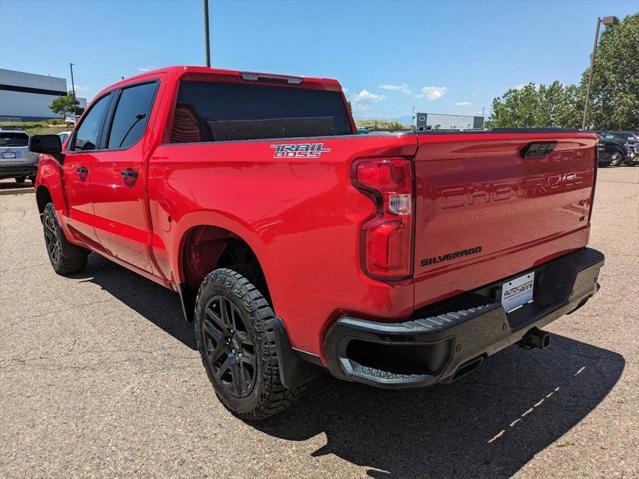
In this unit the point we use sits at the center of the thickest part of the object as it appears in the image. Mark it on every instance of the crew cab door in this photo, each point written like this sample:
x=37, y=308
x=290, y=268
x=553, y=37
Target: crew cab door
x=118, y=176
x=79, y=161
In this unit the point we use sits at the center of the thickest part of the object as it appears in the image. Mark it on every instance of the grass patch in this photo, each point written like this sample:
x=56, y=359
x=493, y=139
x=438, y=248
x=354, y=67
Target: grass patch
x=381, y=125
x=43, y=127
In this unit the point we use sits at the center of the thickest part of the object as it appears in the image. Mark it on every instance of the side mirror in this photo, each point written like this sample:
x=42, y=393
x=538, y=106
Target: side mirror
x=47, y=144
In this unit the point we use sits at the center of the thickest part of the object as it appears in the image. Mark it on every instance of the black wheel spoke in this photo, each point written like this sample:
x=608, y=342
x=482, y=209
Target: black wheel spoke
x=224, y=310
x=238, y=378
x=212, y=331
x=49, y=229
x=217, y=352
x=224, y=367
x=216, y=348
x=48, y=232
x=248, y=358
x=216, y=319
x=236, y=319
x=244, y=337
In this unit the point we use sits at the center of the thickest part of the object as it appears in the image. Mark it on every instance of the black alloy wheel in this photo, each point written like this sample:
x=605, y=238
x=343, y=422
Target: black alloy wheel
x=65, y=257
x=229, y=347
x=52, y=239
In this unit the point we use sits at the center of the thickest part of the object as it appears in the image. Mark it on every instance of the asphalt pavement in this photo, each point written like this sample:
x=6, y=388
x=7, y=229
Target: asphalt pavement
x=99, y=378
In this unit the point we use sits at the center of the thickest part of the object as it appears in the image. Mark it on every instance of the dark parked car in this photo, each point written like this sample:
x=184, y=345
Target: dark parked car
x=611, y=150
x=631, y=139
x=16, y=161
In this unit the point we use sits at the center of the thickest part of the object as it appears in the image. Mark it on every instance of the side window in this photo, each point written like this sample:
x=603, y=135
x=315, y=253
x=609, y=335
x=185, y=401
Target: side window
x=88, y=134
x=131, y=115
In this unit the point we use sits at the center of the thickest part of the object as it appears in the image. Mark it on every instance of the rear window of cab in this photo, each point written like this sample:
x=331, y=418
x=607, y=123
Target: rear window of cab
x=212, y=111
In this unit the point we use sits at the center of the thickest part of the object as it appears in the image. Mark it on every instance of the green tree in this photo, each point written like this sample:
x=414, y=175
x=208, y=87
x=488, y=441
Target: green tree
x=537, y=106
x=64, y=104
x=614, y=97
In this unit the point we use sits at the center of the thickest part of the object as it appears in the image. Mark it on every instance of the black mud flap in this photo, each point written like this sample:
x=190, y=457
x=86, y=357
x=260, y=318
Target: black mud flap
x=188, y=303
x=294, y=371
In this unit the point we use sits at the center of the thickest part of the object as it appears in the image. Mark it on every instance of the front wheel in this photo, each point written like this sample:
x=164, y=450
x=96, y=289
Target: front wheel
x=64, y=257
x=236, y=339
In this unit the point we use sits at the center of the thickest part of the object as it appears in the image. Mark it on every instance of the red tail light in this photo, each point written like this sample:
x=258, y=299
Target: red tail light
x=387, y=236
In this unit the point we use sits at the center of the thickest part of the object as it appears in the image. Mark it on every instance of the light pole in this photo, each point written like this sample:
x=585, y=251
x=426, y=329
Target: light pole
x=207, y=44
x=73, y=90
x=608, y=21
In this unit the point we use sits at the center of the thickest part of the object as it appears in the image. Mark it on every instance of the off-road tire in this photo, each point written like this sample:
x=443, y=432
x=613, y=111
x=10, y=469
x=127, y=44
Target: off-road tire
x=65, y=257
x=20, y=179
x=267, y=395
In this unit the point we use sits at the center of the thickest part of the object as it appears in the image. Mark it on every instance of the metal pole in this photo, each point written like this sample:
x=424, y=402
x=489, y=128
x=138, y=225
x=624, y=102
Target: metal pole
x=73, y=90
x=592, y=67
x=207, y=44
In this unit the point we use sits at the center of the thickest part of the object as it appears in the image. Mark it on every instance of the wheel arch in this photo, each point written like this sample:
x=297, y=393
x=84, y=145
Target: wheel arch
x=205, y=246
x=49, y=185
x=43, y=196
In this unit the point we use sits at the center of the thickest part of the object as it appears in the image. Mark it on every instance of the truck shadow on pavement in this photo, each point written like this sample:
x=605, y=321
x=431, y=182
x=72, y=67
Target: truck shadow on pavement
x=488, y=424
x=156, y=303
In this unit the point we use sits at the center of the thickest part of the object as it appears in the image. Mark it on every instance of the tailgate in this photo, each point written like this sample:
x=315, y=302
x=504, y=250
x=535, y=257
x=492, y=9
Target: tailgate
x=491, y=205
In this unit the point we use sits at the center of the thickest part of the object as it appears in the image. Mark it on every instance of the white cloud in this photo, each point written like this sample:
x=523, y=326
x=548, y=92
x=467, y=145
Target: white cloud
x=402, y=88
x=432, y=93
x=520, y=86
x=144, y=69
x=463, y=103
x=365, y=96
x=362, y=101
x=79, y=88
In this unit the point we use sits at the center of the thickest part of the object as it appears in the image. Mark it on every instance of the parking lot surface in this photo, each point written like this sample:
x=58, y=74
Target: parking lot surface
x=99, y=377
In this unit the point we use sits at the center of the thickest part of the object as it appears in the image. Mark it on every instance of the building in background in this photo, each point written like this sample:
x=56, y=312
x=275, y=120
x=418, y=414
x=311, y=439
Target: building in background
x=438, y=121
x=27, y=96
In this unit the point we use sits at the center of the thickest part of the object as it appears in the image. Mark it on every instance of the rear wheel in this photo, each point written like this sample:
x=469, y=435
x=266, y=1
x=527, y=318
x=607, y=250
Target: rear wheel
x=64, y=257
x=20, y=179
x=236, y=339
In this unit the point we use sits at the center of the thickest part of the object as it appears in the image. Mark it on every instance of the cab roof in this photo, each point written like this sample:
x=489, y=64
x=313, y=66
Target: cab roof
x=217, y=74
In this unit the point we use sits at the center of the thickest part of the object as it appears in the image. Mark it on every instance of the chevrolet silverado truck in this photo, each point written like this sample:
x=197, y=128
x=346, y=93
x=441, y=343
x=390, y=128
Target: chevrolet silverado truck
x=295, y=244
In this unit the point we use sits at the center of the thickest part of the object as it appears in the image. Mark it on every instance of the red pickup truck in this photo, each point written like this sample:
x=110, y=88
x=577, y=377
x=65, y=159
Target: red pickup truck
x=295, y=243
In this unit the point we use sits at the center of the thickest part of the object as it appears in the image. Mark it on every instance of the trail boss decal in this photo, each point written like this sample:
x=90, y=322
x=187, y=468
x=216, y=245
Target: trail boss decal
x=449, y=256
x=300, y=150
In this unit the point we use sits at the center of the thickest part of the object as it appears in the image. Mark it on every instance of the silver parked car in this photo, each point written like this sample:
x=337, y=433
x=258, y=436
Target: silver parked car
x=16, y=161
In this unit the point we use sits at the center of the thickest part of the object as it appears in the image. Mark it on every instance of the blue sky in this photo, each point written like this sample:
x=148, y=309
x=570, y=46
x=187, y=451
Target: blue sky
x=439, y=56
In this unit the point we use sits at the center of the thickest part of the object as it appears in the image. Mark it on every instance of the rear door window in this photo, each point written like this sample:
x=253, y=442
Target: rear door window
x=131, y=115
x=208, y=111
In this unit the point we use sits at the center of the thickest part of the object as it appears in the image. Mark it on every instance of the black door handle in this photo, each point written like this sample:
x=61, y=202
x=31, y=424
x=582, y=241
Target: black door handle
x=82, y=170
x=129, y=174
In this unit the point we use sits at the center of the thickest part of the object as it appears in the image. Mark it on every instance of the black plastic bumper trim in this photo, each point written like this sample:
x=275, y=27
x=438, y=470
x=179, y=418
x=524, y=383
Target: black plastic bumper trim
x=445, y=340
x=18, y=170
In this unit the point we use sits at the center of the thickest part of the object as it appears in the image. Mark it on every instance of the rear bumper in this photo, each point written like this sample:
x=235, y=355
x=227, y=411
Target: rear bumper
x=438, y=341
x=10, y=171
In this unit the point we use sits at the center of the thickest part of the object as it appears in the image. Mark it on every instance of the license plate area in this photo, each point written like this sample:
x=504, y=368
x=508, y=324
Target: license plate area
x=518, y=292
x=9, y=154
